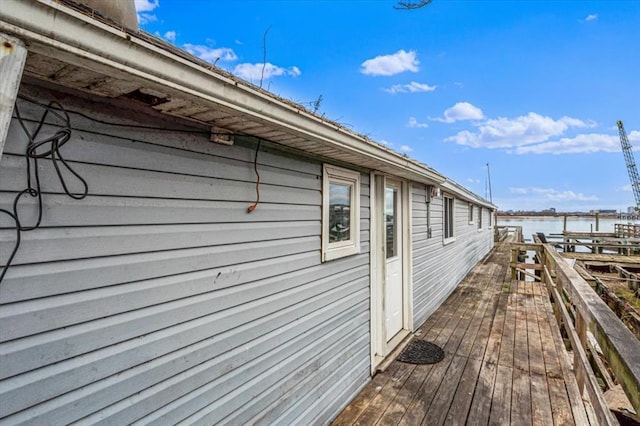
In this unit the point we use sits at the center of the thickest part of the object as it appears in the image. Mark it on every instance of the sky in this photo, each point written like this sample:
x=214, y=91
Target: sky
x=532, y=88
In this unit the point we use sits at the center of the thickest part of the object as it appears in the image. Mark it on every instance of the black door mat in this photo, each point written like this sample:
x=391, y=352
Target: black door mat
x=421, y=352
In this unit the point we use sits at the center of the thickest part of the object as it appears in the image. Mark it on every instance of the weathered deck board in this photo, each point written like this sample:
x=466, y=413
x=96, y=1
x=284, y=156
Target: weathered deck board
x=504, y=363
x=501, y=405
x=364, y=398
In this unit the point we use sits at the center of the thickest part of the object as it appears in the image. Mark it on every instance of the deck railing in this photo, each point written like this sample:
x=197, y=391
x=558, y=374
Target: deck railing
x=623, y=230
x=581, y=312
x=502, y=232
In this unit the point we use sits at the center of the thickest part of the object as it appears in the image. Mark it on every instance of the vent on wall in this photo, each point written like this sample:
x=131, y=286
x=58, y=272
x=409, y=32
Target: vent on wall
x=146, y=97
x=222, y=136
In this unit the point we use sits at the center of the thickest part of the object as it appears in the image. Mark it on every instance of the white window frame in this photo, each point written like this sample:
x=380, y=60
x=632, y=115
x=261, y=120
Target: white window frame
x=471, y=209
x=336, y=250
x=480, y=209
x=451, y=238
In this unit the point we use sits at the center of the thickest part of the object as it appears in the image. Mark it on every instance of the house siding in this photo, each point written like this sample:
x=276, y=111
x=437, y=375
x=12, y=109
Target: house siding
x=438, y=267
x=158, y=298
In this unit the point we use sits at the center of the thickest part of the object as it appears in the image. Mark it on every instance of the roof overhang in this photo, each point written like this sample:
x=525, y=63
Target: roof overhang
x=68, y=47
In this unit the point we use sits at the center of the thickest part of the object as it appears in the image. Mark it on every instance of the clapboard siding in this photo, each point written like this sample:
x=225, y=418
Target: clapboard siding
x=158, y=298
x=439, y=267
x=112, y=211
x=117, y=181
x=265, y=406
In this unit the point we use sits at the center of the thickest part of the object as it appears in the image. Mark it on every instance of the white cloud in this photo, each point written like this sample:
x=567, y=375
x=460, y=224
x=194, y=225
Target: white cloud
x=412, y=87
x=146, y=5
x=625, y=188
x=591, y=17
x=460, y=112
x=580, y=144
x=143, y=7
x=254, y=72
x=585, y=143
x=396, y=63
x=170, y=36
x=551, y=194
x=517, y=132
x=522, y=191
x=211, y=54
x=574, y=122
x=145, y=18
x=406, y=148
x=416, y=124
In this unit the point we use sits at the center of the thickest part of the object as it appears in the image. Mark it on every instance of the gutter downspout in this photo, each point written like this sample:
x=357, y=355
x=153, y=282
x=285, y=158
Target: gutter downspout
x=13, y=55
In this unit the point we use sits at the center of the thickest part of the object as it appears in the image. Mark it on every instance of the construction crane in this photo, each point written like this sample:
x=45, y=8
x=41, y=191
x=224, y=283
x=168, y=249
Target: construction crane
x=631, y=163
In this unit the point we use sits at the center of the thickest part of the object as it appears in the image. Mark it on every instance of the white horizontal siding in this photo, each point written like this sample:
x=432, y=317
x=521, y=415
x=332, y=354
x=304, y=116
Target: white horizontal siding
x=438, y=267
x=159, y=298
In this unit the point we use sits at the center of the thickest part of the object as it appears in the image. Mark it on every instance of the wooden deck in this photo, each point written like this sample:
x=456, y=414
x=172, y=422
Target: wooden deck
x=505, y=362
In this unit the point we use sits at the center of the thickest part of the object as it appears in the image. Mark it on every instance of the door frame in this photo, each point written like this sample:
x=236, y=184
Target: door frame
x=380, y=348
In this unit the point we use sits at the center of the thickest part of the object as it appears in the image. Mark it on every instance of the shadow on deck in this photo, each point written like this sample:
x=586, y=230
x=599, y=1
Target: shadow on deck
x=505, y=361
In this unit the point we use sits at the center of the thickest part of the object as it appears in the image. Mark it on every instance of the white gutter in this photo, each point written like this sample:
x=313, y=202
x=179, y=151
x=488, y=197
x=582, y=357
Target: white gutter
x=58, y=31
x=462, y=192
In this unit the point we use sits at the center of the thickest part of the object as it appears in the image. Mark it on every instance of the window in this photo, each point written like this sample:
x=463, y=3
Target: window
x=490, y=218
x=470, y=214
x=428, y=219
x=340, y=213
x=448, y=217
x=391, y=220
x=480, y=217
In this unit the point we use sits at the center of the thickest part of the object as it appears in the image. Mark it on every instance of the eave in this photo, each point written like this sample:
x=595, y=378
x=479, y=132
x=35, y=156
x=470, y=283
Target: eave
x=70, y=48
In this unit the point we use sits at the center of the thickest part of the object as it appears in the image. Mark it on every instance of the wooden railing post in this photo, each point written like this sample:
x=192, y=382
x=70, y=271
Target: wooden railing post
x=585, y=312
x=581, y=331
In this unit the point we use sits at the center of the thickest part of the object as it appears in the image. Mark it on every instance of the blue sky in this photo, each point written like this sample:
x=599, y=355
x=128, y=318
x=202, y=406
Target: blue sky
x=534, y=88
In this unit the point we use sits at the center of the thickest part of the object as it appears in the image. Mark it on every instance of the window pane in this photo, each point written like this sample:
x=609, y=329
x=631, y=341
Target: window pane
x=390, y=220
x=448, y=217
x=339, y=212
x=451, y=217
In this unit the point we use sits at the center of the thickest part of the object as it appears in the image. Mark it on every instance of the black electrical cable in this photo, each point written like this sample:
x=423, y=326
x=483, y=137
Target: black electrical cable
x=255, y=169
x=111, y=123
x=46, y=148
x=17, y=244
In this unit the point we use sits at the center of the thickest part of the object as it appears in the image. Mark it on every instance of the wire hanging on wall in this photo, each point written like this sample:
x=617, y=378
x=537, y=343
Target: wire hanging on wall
x=40, y=149
x=255, y=169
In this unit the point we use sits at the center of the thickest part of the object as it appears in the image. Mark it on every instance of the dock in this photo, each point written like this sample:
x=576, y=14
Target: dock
x=505, y=361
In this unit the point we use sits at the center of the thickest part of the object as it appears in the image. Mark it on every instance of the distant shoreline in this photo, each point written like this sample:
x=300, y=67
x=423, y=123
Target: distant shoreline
x=560, y=215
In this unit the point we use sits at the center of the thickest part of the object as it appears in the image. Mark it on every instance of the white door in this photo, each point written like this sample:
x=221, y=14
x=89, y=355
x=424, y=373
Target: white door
x=393, y=296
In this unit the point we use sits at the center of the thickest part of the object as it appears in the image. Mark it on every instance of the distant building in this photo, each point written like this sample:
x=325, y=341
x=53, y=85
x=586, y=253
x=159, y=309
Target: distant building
x=603, y=211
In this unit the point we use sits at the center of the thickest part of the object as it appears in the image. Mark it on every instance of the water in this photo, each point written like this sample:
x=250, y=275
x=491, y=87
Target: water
x=554, y=225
